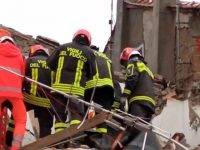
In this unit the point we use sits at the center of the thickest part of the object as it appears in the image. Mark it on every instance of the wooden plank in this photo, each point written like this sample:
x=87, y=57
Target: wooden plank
x=66, y=133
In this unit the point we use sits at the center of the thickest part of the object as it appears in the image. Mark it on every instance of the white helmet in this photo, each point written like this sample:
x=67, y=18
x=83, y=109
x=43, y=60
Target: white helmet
x=135, y=52
x=5, y=35
x=6, y=38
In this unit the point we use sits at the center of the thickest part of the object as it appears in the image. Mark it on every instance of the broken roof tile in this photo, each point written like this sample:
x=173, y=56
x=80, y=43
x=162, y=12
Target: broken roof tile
x=149, y=3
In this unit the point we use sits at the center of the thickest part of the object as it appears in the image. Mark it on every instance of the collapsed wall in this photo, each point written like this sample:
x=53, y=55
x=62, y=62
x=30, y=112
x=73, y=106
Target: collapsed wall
x=24, y=41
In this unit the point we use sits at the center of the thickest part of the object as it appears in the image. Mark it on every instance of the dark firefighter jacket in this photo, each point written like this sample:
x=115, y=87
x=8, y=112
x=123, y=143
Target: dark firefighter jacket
x=37, y=69
x=103, y=76
x=73, y=64
x=102, y=80
x=139, y=83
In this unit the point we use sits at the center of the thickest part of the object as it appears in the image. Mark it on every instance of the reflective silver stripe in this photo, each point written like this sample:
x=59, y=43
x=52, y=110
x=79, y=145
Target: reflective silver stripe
x=9, y=89
x=12, y=69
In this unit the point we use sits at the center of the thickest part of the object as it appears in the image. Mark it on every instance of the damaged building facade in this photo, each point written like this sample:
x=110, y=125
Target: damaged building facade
x=176, y=53
x=135, y=26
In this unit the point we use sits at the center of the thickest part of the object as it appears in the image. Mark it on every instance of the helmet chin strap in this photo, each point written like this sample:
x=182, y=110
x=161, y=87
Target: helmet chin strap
x=81, y=40
x=135, y=58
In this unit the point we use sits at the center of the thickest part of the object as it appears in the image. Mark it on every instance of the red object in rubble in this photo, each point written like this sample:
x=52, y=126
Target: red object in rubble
x=3, y=125
x=198, y=44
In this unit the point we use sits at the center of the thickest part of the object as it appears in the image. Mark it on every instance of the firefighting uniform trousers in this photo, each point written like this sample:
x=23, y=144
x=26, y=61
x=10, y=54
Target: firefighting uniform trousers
x=103, y=96
x=19, y=116
x=61, y=106
x=139, y=109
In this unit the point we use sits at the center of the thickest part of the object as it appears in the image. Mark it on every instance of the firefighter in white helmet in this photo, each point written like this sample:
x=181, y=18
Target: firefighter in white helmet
x=138, y=90
x=11, y=86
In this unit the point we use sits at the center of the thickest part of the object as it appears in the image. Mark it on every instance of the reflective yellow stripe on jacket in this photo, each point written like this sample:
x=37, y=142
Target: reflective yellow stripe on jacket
x=34, y=74
x=75, y=88
x=59, y=126
x=38, y=101
x=99, y=82
x=126, y=91
x=67, y=88
x=142, y=67
x=101, y=130
x=59, y=69
x=139, y=98
x=78, y=73
x=75, y=122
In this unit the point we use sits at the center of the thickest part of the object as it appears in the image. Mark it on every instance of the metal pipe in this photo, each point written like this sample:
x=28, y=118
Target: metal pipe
x=144, y=141
x=143, y=121
x=64, y=94
x=115, y=125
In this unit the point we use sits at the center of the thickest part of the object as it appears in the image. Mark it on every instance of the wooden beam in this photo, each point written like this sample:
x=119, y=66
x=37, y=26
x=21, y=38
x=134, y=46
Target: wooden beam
x=66, y=133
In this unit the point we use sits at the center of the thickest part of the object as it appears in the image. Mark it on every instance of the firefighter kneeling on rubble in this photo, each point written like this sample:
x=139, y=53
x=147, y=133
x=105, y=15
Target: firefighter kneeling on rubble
x=11, y=84
x=74, y=64
x=138, y=91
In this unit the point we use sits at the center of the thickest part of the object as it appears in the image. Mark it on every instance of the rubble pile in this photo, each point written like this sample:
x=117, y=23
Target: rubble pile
x=163, y=92
x=160, y=86
x=194, y=105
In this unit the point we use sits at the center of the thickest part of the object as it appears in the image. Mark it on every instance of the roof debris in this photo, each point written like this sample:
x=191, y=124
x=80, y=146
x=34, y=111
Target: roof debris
x=149, y=3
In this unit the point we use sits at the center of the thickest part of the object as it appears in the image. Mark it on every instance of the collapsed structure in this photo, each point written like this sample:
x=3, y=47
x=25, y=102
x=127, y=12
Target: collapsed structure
x=170, y=33
x=183, y=78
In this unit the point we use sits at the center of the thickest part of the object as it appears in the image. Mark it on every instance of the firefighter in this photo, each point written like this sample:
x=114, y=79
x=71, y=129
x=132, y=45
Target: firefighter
x=36, y=97
x=138, y=90
x=73, y=64
x=102, y=87
x=11, y=84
